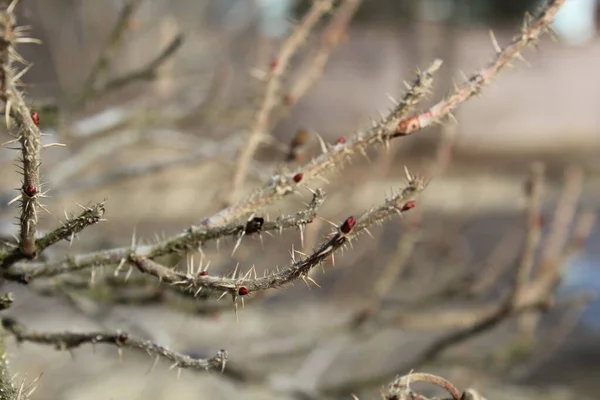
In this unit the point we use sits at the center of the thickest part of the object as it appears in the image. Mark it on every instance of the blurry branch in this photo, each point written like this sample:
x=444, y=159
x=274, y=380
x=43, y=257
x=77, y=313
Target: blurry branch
x=400, y=388
x=91, y=88
x=331, y=37
x=145, y=73
x=404, y=250
x=333, y=157
x=190, y=240
x=244, y=285
x=7, y=387
x=115, y=38
x=70, y=340
x=279, y=66
x=72, y=226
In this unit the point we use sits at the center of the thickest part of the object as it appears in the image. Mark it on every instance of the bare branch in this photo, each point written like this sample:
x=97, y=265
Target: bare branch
x=90, y=216
x=70, y=340
x=530, y=33
x=245, y=285
x=193, y=238
x=115, y=38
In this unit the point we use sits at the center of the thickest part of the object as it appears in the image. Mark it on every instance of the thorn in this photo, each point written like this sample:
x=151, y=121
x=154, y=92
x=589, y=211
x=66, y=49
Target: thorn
x=22, y=72
x=301, y=227
x=120, y=354
x=93, y=277
x=18, y=197
x=154, y=363
x=408, y=176
x=306, y=277
x=128, y=275
x=322, y=144
x=120, y=266
x=46, y=146
x=495, y=42
x=222, y=295
x=7, y=114
x=237, y=244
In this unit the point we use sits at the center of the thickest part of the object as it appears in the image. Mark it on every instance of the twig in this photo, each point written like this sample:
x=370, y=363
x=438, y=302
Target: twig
x=191, y=239
x=90, y=216
x=28, y=133
x=261, y=124
x=145, y=73
x=534, y=193
x=115, y=37
x=70, y=340
x=530, y=32
x=400, y=387
x=331, y=37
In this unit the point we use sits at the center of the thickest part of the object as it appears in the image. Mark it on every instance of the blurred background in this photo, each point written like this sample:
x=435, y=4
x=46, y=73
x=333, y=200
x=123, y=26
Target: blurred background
x=154, y=117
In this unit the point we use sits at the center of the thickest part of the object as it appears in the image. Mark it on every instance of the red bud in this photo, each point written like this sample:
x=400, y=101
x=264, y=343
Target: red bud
x=242, y=291
x=408, y=205
x=348, y=225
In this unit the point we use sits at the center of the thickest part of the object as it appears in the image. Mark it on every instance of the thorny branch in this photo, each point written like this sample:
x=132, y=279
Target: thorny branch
x=395, y=124
x=28, y=133
x=244, y=285
x=70, y=340
x=72, y=226
x=335, y=156
x=530, y=33
x=193, y=238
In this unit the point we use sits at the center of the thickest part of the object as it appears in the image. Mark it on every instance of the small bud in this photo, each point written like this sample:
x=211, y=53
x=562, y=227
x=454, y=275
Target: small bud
x=30, y=190
x=254, y=225
x=242, y=291
x=300, y=138
x=288, y=100
x=408, y=205
x=341, y=140
x=298, y=177
x=122, y=337
x=348, y=225
x=202, y=273
x=408, y=125
x=35, y=117
x=274, y=63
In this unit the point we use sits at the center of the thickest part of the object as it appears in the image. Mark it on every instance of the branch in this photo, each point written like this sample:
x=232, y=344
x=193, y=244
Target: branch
x=28, y=133
x=67, y=231
x=145, y=73
x=271, y=97
x=70, y=340
x=400, y=387
x=193, y=238
x=530, y=33
x=331, y=37
x=195, y=281
x=115, y=37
